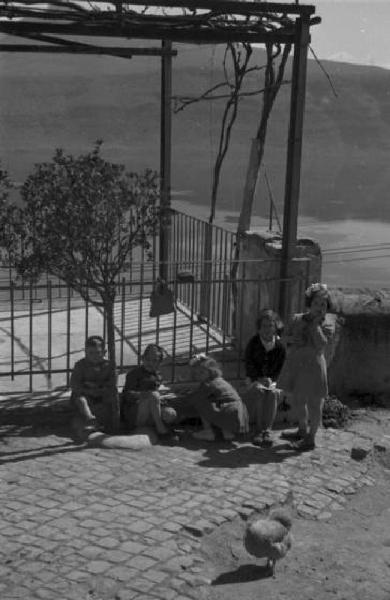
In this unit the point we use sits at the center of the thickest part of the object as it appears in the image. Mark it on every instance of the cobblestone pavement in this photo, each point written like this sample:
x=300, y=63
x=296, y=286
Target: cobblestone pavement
x=81, y=523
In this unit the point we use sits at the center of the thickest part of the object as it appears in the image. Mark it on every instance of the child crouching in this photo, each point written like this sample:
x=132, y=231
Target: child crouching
x=216, y=402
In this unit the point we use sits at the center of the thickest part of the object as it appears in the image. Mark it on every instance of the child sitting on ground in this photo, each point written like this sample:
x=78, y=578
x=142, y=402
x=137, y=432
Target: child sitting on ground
x=141, y=400
x=216, y=401
x=93, y=386
x=264, y=358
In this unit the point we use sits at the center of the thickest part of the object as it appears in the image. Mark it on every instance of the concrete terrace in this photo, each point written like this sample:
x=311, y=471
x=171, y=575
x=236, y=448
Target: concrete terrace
x=30, y=343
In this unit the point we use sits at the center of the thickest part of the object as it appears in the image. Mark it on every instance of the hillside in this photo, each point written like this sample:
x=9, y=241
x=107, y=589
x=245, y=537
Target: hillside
x=52, y=101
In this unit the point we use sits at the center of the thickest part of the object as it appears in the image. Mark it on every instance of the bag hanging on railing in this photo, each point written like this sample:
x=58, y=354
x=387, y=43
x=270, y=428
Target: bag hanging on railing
x=162, y=300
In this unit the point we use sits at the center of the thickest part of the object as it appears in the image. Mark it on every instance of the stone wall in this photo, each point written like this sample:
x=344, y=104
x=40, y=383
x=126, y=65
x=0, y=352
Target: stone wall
x=361, y=360
x=259, y=278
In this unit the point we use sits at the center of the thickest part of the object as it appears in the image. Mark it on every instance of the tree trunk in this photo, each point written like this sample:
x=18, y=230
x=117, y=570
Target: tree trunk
x=109, y=309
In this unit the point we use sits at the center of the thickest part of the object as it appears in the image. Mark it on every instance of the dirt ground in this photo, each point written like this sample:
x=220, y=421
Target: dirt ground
x=346, y=558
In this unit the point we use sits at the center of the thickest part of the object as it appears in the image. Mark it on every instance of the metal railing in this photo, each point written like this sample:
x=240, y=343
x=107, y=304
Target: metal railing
x=43, y=325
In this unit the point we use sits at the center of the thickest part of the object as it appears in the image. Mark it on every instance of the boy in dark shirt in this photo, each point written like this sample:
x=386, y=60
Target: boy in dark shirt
x=141, y=401
x=264, y=358
x=93, y=385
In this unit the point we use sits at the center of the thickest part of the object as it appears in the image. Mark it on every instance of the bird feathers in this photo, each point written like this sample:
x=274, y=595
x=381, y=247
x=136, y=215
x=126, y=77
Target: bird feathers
x=269, y=538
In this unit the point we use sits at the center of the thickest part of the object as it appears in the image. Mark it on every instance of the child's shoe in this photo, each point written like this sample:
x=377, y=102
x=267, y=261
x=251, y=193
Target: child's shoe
x=205, y=435
x=263, y=439
x=304, y=445
x=293, y=436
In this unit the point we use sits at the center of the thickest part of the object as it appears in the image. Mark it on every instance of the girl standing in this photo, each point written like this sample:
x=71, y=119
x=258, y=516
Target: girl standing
x=304, y=375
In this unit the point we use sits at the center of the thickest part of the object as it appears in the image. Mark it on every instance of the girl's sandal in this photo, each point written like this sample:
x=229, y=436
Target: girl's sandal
x=304, y=445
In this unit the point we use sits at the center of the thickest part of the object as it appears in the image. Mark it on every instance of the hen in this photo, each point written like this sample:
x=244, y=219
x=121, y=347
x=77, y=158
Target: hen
x=269, y=538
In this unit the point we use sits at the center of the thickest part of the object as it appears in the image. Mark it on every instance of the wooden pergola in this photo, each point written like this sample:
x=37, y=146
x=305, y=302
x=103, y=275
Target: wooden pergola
x=49, y=28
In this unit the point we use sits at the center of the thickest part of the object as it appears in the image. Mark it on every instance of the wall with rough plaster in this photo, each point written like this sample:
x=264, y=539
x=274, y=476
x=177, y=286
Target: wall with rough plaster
x=361, y=361
x=259, y=278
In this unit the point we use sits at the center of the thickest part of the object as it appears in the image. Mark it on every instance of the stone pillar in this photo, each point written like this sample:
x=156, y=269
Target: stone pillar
x=258, y=278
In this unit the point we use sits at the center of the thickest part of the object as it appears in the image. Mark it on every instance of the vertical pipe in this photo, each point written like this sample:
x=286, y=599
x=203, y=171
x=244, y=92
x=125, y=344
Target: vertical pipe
x=165, y=154
x=12, y=298
x=225, y=290
x=68, y=307
x=123, y=318
x=87, y=314
x=31, y=337
x=294, y=155
x=242, y=282
x=49, y=329
x=174, y=336
x=141, y=299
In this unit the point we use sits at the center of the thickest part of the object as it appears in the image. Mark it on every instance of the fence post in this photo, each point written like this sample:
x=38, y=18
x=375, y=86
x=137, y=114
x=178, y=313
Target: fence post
x=49, y=329
x=68, y=307
x=31, y=337
x=12, y=298
x=165, y=156
x=294, y=153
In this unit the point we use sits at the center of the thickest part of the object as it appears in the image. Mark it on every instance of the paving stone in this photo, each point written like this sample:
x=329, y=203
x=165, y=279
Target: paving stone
x=116, y=556
x=160, y=553
x=324, y=516
x=155, y=576
x=360, y=451
x=383, y=445
x=139, y=527
x=141, y=562
x=123, y=573
x=130, y=547
x=165, y=593
x=126, y=595
x=200, y=527
x=97, y=566
x=142, y=585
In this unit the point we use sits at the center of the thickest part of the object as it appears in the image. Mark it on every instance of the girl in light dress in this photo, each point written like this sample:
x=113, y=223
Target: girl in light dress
x=304, y=375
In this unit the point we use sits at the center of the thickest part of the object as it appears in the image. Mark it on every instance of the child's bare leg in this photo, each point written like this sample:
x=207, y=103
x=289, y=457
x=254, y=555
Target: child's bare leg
x=149, y=409
x=268, y=411
x=83, y=408
x=301, y=412
x=314, y=406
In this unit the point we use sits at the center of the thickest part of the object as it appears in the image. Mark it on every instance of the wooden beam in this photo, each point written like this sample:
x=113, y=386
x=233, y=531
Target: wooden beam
x=294, y=156
x=232, y=6
x=152, y=32
x=75, y=49
x=165, y=157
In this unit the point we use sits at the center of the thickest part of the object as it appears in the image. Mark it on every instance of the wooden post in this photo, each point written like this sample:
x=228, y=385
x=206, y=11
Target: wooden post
x=294, y=154
x=165, y=156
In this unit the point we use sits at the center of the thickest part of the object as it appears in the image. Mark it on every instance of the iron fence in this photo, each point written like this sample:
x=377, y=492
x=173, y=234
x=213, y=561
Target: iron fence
x=44, y=324
x=43, y=327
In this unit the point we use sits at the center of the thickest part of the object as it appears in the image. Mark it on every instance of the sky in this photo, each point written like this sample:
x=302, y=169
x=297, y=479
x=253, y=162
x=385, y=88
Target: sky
x=353, y=31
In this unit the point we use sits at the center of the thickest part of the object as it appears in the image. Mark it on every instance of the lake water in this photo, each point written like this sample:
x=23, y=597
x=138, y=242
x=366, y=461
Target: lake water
x=356, y=253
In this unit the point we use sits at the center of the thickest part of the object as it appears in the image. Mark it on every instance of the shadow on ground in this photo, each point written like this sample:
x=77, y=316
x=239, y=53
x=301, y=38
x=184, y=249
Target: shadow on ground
x=243, y=574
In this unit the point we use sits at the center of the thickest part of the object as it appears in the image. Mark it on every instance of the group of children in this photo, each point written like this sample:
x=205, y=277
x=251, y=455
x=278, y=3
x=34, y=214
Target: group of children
x=293, y=364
